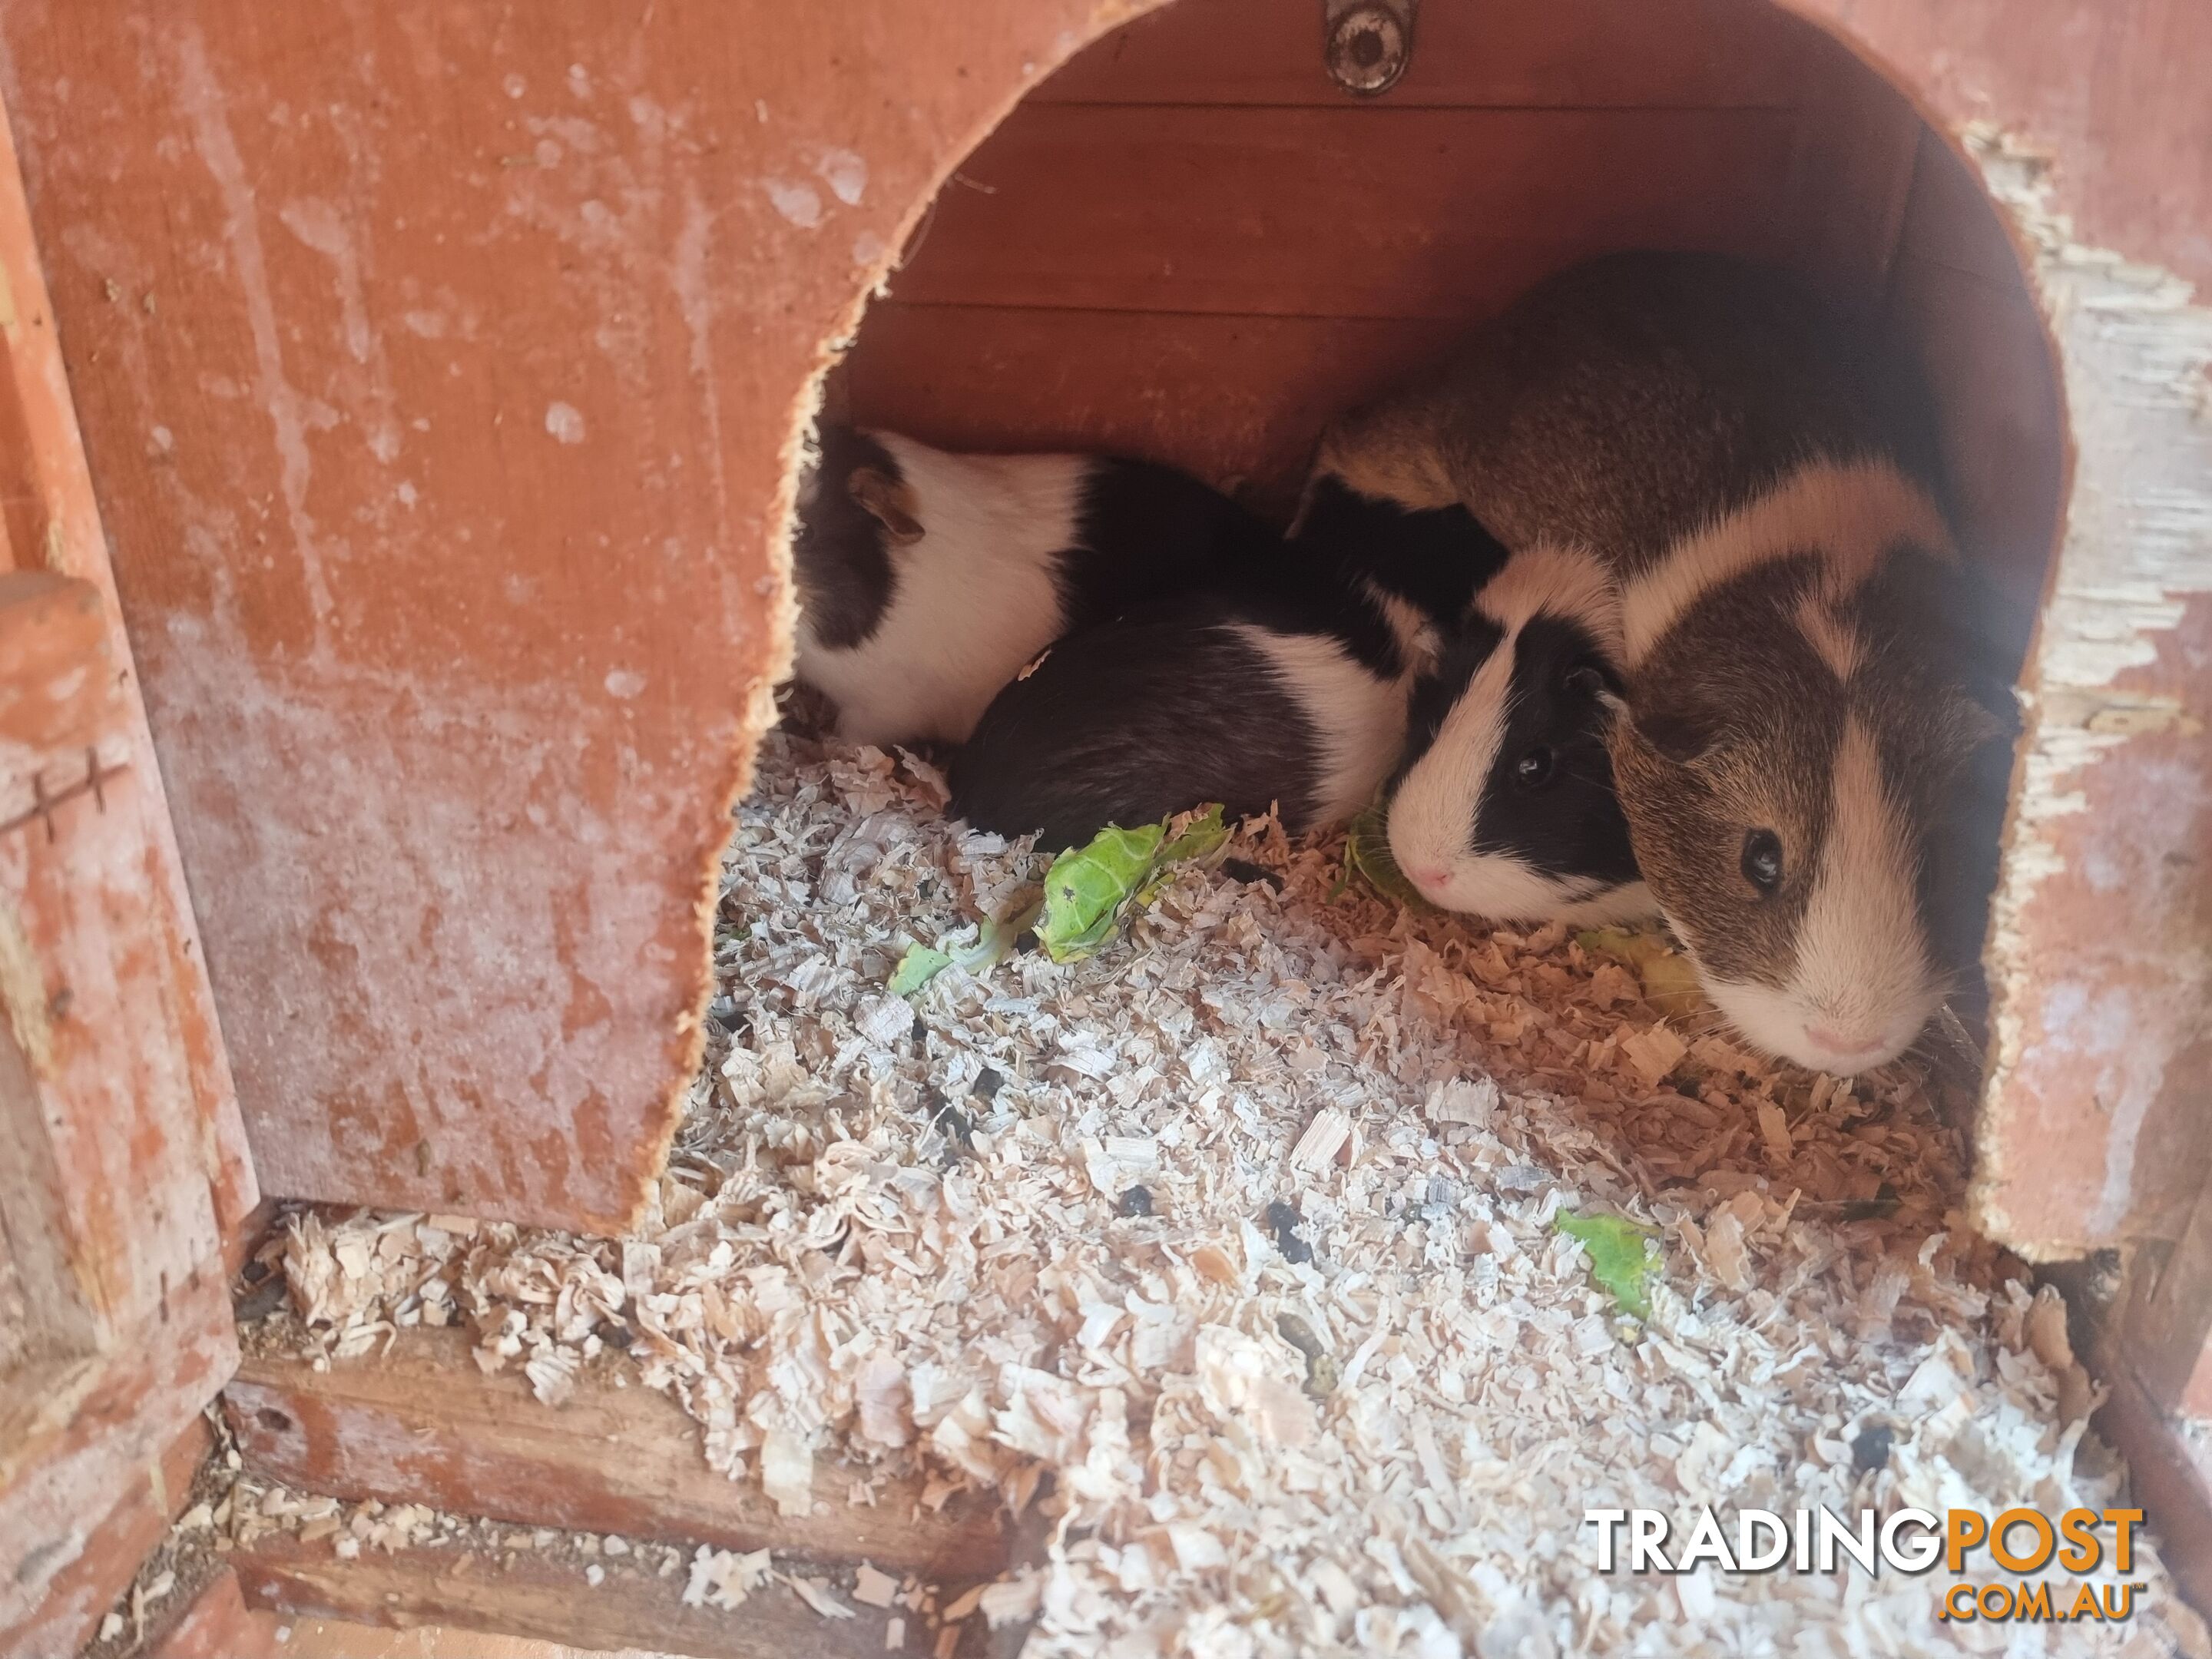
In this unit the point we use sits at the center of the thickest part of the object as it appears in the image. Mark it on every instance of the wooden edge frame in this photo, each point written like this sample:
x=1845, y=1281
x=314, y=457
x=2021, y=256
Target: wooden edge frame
x=420, y=1423
x=528, y=1593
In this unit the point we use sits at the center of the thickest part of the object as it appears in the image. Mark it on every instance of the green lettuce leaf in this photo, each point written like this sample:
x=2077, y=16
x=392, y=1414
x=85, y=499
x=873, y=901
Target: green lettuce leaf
x=920, y=965
x=1367, y=854
x=1620, y=1261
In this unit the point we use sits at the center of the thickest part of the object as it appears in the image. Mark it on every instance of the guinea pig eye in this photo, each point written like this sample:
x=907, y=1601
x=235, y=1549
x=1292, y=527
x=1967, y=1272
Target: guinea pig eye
x=1762, y=859
x=1533, y=770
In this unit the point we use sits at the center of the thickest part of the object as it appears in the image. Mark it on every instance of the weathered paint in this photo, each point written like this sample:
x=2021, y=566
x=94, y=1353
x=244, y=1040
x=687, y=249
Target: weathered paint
x=121, y=1158
x=2102, y=938
x=443, y=375
x=422, y=1423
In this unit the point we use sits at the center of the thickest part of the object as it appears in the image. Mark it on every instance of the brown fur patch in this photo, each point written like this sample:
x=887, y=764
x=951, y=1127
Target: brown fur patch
x=1760, y=703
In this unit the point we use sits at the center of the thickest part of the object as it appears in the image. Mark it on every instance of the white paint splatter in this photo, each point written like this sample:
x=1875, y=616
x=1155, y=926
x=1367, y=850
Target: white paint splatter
x=407, y=494
x=795, y=202
x=624, y=682
x=565, y=422
x=867, y=248
x=579, y=80
x=515, y=85
x=845, y=172
x=430, y=325
x=323, y=227
x=165, y=441
x=200, y=96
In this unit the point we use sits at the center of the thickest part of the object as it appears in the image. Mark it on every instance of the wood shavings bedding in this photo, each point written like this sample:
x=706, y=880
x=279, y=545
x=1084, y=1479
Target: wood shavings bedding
x=1042, y=1222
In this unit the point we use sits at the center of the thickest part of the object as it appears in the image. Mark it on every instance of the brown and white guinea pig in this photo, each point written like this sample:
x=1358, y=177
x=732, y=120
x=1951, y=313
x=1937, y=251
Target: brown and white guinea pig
x=1284, y=683
x=1790, y=729
x=1504, y=806
x=927, y=580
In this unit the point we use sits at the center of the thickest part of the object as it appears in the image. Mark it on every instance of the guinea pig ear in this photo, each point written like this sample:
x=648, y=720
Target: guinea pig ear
x=1587, y=677
x=889, y=501
x=1677, y=734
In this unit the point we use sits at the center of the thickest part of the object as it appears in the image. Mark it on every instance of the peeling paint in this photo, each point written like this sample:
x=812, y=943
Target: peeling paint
x=201, y=97
x=2135, y=556
x=795, y=201
x=846, y=175
x=565, y=423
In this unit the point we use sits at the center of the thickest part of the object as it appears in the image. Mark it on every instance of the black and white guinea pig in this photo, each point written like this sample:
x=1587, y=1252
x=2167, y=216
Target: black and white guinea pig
x=1793, y=726
x=1504, y=806
x=1283, y=685
x=927, y=580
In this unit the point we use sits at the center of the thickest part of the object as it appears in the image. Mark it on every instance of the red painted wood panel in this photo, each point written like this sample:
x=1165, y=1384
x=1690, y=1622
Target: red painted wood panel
x=1373, y=211
x=1236, y=400
x=1654, y=53
x=440, y=366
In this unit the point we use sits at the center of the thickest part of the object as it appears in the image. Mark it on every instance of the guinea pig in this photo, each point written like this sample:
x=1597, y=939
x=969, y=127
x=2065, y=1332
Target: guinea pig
x=1788, y=724
x=1504, y=805
x=1285, y=684
x=925, y=580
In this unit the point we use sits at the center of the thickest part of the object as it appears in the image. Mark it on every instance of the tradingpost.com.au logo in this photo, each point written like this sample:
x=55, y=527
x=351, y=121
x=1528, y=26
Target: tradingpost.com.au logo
x=2008, y=1545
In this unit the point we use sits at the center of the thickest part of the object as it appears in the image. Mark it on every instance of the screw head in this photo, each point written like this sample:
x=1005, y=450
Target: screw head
x=1367, y=50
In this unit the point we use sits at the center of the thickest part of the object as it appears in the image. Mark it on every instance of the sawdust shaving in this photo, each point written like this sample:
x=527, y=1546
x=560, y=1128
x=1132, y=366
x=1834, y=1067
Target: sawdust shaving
x=1235, y=1246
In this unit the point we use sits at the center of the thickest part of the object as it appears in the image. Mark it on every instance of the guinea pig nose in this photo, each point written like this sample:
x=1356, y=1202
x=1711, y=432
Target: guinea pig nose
x=1429, y=875
x=1838, y=1042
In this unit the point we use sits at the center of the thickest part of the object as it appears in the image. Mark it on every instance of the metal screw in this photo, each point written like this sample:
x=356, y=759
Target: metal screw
x=1368, y=49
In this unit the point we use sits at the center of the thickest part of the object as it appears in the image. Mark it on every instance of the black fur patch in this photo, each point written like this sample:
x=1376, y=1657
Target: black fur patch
x=1436, y=693
x=1569, y=822
x=1157, y=712
x=1141, y=530
x=1436, y=559
x=838, y=554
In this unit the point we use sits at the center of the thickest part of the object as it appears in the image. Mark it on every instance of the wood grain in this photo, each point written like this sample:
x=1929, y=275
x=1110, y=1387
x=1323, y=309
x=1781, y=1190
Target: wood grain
x=1381, y=212
x=218, y=1625
x=78, y=1596
x=81, y=1441
x=54, y=522
x=1579, y=53
x=423, y=1424
x=533, y=1595
x=121, y=1155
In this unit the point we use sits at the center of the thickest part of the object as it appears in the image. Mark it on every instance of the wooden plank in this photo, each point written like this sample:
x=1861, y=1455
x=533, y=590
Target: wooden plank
x=54, y=523
x=1950, y=221
x=1584, y=53
x=2174, y=1486
x=531, y=1595
x=78, y=1596
x=121, y=1157
x=1237, y=400
x=2110, y=92
x=1857, y=150
x=1987, y=357
x=80, y=1446
x=423, y=1424
x=219, y=1625
x=1366, y=212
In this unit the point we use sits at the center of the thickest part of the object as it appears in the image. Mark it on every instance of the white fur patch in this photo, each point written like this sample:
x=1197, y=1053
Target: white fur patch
x=1861, y=987
x=1851, y=513
x=1358, y=719
x=1832, y=634
x=1433, y=815
x=1556, y=581
x=973, y=600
